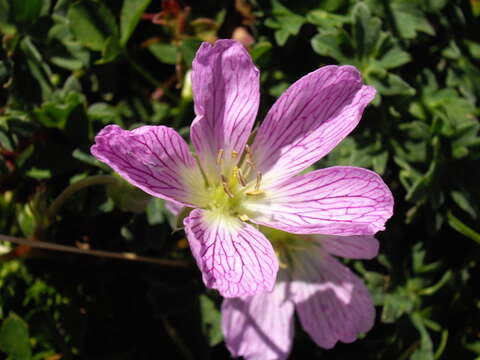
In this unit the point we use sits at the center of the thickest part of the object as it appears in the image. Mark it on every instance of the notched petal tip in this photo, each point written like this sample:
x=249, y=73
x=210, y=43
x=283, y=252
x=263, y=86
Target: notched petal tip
x=310, y=118
x=340, y=200
x=225, y=85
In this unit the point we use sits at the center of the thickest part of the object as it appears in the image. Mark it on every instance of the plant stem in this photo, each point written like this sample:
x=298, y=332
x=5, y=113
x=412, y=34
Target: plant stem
x=99, y=253
x=147, y=76
x=75, y=187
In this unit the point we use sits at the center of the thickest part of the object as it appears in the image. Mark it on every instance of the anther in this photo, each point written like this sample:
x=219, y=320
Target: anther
x=259, y=181
x=220, y=156
x=255, y=192
x=243, y=217
x=225, y=186
x=240, y=177
x=204, y=176
x=234, y=154
x=249, y=159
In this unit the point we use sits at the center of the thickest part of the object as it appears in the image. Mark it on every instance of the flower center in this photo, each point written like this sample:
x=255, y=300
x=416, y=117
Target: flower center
x=233, y=185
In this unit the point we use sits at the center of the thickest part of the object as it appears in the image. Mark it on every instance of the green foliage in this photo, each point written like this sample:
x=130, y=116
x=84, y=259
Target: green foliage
x=68, y=68
x=14, y=338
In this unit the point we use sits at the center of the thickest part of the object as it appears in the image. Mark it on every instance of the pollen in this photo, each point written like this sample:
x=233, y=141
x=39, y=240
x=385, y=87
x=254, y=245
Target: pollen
x=243, y=217
x=255, y=192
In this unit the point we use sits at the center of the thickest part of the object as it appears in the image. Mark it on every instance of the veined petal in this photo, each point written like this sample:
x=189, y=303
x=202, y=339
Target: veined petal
x=225, y=85
x=259, y=327
x=234, y=257
x=351, y=247
x=309, y=120
x=154, y=158
x=332, y=303
x=339, y=200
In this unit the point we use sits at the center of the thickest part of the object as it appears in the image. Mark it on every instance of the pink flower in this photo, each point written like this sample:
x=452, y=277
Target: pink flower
x=331, y=302
x=233, y=186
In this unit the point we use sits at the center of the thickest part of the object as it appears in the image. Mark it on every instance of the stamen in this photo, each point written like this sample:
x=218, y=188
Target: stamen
x=225, y=187
x=240, y=177
x=204, y=176
x=220, y=156
x=250, y=163
x=247, y=172
x=234, y=154
x=249, y=159
x=259, y=180
x=243, y=217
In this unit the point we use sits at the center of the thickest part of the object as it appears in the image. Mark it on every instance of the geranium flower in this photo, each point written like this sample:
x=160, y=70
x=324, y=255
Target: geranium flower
x=331, y=302
x=232, y=185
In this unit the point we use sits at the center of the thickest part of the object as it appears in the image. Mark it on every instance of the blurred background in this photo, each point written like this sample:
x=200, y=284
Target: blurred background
x=68, y=68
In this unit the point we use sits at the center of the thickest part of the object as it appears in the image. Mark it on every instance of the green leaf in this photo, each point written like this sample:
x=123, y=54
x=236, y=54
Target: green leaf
x=326, y=20
x=73, y=56
x=38, y=68
x=26, y=11
x=111, y=50
x=425, y=350
x=92, y=23
x=260, y=51
x=284, y=21
x=464, y=201
x=26, y=219
x=366, y=29
x=392, y=84
x=396, y=304
x=14, y=338
x=166, y=53
x=393, y=58
x=462, y=228
x=379, y=162
x=132, y=11
x=5, y=26
x=188, y=49
x=409, y=19
x=105, y=113
x=328, y=44
x=210, y=321
x=56, y=113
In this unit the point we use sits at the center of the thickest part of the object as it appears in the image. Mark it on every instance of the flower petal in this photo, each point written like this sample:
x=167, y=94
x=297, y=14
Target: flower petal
x=154, y=158
x=225, y=85
x=234, y=257
x=351, y=247
x=173, y=207
x=309, y=120
x=259, y=327
x=339, y=200
x=332, y=303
